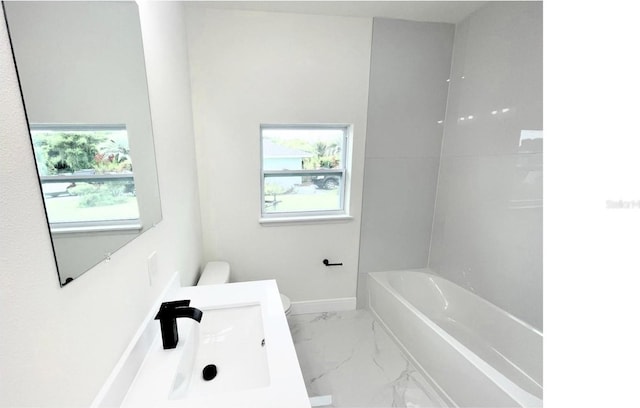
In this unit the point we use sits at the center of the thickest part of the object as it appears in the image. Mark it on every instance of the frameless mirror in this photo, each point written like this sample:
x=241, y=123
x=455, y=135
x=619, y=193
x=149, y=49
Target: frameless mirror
x=83, y=80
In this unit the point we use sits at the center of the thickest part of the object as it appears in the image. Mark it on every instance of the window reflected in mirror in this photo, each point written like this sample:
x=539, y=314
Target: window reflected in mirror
x=87, y=177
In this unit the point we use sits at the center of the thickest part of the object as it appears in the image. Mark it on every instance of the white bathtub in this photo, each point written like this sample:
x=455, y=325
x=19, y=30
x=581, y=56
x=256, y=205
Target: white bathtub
x=473, y=353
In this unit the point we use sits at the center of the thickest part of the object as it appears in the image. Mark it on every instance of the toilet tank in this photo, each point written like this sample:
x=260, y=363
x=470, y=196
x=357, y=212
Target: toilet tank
x=215, y=273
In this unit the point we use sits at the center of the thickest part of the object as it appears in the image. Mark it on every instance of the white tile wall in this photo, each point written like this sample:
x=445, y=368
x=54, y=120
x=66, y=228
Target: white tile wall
x=410, y=64
x=398, y=212
x=487, y=233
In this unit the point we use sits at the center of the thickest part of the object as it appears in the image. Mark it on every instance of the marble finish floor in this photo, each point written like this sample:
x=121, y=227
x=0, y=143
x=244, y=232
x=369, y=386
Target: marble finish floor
x=351, y=357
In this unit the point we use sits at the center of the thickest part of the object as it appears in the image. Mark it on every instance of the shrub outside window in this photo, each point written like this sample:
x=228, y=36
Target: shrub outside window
x=304, y=169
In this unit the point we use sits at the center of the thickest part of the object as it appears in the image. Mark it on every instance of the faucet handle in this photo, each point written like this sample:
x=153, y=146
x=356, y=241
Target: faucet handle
x=167, y=307
x=175, y=303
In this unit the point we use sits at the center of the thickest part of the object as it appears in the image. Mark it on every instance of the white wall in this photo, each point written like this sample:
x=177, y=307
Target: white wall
x=58, y=345
x=487, y=233
x=249, y=68
x=410, y=63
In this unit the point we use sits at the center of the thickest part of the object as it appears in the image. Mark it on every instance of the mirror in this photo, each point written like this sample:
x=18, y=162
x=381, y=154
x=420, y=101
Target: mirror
x=82, y=74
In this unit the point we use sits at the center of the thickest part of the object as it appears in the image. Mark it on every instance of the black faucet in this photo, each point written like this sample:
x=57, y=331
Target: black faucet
x=167, y=315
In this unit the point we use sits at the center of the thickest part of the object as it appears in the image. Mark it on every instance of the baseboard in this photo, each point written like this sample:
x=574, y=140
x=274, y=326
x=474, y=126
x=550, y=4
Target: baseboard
x=323, y=305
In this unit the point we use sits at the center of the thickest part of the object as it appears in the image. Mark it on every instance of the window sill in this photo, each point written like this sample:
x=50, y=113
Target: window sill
x=312, y=219
x=95, y=229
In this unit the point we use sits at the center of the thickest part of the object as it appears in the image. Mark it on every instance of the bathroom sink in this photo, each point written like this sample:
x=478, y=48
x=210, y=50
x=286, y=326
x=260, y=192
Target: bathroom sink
x=230, y=343
x=250, y=373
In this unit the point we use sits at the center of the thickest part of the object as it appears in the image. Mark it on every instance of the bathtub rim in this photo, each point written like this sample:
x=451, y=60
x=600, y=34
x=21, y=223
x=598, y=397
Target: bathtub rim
x=428, y=271
x=511, y=389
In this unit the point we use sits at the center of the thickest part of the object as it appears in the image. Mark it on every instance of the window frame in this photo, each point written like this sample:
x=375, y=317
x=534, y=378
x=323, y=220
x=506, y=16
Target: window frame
x=343, y=172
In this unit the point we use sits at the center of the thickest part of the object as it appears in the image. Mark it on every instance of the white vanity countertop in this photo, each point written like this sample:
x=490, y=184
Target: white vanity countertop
x=286, y=388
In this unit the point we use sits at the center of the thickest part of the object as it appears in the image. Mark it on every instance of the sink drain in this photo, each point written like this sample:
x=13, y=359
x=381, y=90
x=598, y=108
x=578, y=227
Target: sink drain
x=209, y=372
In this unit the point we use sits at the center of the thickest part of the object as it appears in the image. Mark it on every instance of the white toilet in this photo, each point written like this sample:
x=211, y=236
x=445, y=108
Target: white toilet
x=218, y=272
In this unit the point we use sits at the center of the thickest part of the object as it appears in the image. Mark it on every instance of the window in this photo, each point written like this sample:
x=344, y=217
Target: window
x=86, y=177
x=304, y=170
